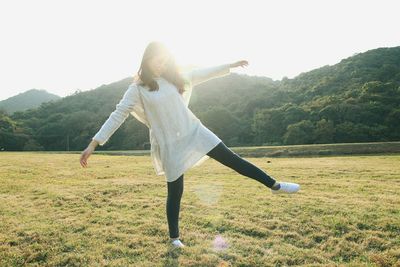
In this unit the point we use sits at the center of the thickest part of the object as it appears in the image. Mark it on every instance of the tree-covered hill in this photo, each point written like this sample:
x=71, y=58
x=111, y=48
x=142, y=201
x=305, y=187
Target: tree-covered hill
x=355, y=100
x=28, y=99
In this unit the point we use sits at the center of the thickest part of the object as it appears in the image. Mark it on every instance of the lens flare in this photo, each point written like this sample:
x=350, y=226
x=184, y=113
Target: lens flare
x=208, y=194
x=219, y=243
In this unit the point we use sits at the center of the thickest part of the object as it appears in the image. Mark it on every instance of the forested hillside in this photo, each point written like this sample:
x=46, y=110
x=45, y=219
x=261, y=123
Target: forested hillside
x=28, y=99
x=355, y=100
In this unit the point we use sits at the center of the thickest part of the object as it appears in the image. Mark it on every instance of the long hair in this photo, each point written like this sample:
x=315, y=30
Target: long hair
x=172, y=71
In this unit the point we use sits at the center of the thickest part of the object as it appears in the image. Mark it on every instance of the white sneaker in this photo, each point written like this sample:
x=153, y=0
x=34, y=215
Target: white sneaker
x=287, y=188
x=177, y=243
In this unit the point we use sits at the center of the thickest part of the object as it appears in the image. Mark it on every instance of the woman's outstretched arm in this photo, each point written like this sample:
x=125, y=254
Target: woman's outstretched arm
x=118, y=116
x=128, y=102
x=201, y=75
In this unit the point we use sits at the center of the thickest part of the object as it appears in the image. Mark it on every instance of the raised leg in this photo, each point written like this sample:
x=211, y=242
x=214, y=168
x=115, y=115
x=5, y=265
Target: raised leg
x=227, y=157
x=175, y=191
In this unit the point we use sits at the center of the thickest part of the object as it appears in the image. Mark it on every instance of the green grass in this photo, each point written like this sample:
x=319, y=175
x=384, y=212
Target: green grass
x=56, y=213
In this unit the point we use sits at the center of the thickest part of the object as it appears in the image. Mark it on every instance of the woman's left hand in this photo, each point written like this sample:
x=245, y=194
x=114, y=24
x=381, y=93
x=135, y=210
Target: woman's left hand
x=240, y=63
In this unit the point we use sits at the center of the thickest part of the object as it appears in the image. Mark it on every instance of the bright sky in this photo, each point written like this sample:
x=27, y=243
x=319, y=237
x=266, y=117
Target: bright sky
x=65, y=45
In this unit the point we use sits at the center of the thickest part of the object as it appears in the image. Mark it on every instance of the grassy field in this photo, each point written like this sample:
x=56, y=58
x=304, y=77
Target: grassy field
x=56, y=213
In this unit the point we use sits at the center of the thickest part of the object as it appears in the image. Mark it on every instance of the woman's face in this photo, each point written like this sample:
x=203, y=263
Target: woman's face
x=157, y=64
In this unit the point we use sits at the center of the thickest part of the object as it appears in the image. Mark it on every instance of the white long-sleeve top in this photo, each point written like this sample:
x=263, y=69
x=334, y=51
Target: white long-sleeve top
x=178, y=139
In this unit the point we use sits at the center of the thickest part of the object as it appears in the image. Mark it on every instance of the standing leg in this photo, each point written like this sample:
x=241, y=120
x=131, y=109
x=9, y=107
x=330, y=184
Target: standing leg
x=232, y=160
x=175, y=191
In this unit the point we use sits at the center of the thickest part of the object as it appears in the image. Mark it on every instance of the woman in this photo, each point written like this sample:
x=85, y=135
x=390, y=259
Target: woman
x=159, y=98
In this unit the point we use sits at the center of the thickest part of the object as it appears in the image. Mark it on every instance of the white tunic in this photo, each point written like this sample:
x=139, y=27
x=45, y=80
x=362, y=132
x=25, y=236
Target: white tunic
x=178, y=139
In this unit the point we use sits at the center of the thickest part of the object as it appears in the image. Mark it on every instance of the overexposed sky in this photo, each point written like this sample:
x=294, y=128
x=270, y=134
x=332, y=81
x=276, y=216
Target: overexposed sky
x=65, y=45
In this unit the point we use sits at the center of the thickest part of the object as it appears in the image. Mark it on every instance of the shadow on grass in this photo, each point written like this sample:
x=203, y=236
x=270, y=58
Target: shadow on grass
x=171, y=256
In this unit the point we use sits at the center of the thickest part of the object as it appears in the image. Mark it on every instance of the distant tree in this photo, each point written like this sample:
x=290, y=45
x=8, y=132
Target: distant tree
x=268, y=125
x=324, y=132
x=222, y=123
x=299, y=133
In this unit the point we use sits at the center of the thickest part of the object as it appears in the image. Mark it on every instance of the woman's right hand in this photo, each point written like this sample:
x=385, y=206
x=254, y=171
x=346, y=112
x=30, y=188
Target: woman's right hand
x=87, y=152
x=240, y=63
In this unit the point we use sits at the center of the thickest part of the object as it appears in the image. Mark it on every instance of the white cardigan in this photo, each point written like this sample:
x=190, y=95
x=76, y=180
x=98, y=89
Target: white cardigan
x=178, y=139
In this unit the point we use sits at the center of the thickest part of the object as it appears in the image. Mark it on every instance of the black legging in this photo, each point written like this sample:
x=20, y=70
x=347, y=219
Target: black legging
x=228, y=158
